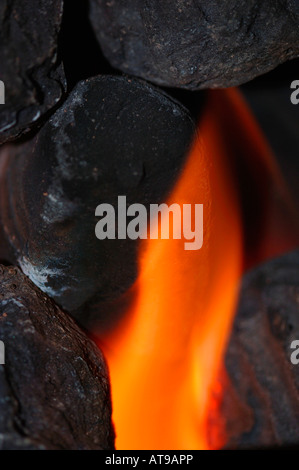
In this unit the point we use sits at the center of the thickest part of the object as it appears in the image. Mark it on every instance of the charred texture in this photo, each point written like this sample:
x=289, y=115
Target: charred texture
x=197, y=43
x=261, y=405
x=113, y=136
x=54, y=389
x=29, y=65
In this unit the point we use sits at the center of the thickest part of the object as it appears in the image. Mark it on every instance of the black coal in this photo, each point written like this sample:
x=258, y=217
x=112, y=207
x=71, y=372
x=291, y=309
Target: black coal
x=29, y=65
x=196, y=43
x=113, y=136
x=54, y=387
x=261, y=407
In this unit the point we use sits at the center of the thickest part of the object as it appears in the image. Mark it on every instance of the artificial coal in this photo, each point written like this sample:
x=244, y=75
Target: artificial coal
x=196, y=44
x=54, y=385
x=113, y=136
x=261, y=401
x=30, y=67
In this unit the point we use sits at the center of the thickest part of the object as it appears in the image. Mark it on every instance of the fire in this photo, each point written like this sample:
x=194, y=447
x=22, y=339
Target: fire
x=166, y=353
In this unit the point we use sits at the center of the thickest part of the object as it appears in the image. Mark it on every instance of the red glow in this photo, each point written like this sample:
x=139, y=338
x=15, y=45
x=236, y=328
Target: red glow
x=165, y=355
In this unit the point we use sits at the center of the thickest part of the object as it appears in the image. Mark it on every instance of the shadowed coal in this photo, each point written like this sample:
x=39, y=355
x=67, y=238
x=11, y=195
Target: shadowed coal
x=29, y=65
x=196, y=43
x=261, y=405
x=113, y=136
x=54, y=387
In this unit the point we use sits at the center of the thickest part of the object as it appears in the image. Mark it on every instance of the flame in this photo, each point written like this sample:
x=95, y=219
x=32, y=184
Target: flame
x=165, y=355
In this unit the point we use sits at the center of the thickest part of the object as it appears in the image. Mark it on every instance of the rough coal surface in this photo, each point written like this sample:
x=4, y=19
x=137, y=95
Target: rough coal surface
x=262, y=403
x=29, y=65
x=196, y=43
x=114, y=136
x=54, y=388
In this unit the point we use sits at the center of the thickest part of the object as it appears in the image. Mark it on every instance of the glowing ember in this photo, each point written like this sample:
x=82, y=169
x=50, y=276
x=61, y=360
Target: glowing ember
x=166, y=353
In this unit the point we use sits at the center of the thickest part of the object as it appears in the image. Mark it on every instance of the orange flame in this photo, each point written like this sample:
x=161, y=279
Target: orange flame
x=166, y=353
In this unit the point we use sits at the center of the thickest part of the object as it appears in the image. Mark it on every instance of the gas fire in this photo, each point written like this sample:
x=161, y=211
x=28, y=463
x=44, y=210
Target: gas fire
x=166, y=353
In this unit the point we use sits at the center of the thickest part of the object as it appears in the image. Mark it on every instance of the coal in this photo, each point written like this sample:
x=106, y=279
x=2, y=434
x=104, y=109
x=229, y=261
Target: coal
x=197, y=43
x=30, y=66
x=261, y=404
x=114, y=136
x=54, y=386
